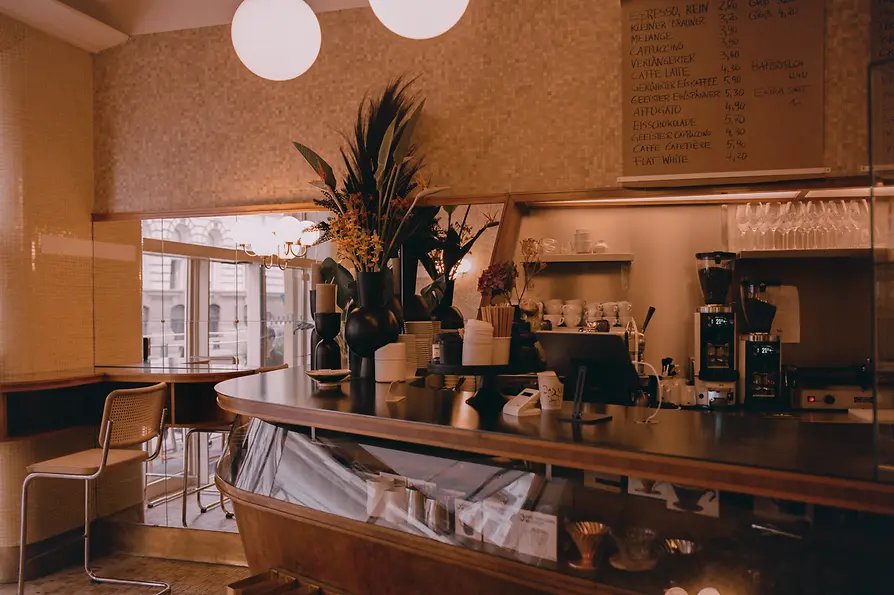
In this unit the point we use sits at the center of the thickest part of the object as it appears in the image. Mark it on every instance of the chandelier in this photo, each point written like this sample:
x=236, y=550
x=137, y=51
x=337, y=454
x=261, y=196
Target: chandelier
x=287, y=239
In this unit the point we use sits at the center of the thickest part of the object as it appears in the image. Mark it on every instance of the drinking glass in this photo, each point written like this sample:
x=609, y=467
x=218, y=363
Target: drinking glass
x=865, y=223
x=848, y=225
x=743, y=215
x=774, y=214
x=754, y=225
x=812, y=224
x=788, y=226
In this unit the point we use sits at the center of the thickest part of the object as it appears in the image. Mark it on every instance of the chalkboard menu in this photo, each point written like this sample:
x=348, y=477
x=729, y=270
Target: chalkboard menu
x=722, y=88
x=882, y=86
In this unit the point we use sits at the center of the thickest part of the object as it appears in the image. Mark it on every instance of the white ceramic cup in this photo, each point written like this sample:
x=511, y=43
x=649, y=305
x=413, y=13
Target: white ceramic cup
x=554, y=306
x=625, y=308
x=582, y=241
x=581, y=303
x=552, y=391
x=500, y=351
x=555, y=320
x=571, y=309
x=573, y=320
x=375, y=495
x=610, y=310
x=594, y=311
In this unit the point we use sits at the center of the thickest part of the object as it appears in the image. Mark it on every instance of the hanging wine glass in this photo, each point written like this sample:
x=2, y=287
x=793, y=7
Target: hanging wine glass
x=743, y=216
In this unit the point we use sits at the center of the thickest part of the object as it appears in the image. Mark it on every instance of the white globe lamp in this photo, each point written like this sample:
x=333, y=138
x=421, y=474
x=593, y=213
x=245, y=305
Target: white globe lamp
x=419, y=19
x=309, y=236
x=265, y=244
x=276, y=39
x=288, y=230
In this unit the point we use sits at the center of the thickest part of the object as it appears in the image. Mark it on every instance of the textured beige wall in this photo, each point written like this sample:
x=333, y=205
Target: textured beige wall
x=522, y=95
x=46, y=198
x=117, y=292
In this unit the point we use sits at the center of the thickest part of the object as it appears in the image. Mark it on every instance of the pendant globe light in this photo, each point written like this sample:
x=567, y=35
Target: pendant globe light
x=419, y=19
x=276, y=39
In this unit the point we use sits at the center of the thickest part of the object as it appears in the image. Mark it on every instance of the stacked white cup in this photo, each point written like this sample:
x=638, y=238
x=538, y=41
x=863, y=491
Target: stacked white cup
x=478, y=343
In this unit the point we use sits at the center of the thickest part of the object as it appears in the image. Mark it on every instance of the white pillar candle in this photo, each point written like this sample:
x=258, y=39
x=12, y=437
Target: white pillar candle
x=325, y=298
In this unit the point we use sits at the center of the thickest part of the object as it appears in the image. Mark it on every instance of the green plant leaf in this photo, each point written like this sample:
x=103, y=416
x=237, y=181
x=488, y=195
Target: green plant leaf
x=402, y=148
x=385, y=152
x=429, y=192
x=434, y=292
x=449, y=209
x=319, y=165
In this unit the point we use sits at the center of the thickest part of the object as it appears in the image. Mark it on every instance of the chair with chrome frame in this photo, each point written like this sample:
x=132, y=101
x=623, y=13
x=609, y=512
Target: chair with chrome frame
x=130, y=417
x=214, y=428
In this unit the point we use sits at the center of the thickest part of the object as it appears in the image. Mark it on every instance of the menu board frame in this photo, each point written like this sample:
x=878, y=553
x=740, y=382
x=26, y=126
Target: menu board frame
x=722, y=89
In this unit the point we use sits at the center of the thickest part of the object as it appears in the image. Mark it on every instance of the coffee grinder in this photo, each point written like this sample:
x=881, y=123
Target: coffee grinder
x=760, y=351
x=715, y=333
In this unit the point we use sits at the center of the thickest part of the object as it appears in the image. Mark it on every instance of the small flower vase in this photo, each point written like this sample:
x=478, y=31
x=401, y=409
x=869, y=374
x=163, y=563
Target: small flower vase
x=450, y=317
x=371, y=326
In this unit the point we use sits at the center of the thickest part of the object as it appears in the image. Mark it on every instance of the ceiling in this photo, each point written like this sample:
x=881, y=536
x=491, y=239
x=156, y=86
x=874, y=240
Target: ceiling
x=138, y=17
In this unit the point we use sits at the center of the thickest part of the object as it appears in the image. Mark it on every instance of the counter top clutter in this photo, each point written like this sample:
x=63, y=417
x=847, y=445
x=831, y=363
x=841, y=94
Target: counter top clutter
x=774, y=456
x=622, y=507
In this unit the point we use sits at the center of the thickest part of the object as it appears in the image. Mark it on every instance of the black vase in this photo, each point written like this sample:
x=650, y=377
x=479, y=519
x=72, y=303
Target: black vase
x=414, y=307
x=372, y=325
x=450, y=317
x=327, y=355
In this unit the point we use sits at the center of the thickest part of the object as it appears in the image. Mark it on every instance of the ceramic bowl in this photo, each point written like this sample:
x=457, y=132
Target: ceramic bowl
x=328, y=379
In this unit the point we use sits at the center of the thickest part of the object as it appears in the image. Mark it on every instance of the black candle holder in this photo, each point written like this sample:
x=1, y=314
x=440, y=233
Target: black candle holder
x=327, y=354
x=314, y=337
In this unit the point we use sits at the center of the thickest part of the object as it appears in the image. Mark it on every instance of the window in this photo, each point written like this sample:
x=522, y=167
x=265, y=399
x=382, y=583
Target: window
x=240, y=302
x=178, y=319
x=175, y=280
x=214, y=318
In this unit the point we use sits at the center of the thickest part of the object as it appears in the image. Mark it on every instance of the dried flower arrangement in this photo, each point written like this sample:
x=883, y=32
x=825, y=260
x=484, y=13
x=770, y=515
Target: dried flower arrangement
x=532, y=265
x=497, y=282
x=374, y=211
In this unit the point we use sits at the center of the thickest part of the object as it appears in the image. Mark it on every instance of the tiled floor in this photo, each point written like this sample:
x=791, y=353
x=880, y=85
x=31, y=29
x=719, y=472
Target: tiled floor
x=171, y=515
x=186, y=578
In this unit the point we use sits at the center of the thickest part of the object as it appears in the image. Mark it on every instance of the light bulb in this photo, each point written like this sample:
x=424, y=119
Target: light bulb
x=419, y=19
x=288, y=230
x=276, y=39
x=309, y=236
x=265, y=244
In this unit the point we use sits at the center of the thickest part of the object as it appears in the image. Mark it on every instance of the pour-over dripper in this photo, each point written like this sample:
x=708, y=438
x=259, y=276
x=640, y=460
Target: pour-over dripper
x=715, y=275
x=758, y=305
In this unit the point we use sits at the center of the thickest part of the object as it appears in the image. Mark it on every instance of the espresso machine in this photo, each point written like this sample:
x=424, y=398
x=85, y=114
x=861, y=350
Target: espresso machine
x=715, y=333
x=760, y=351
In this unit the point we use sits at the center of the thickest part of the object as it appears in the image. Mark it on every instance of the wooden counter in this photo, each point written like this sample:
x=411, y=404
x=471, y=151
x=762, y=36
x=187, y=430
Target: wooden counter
x=178, y=373
x=35, y=392
x=831, y=464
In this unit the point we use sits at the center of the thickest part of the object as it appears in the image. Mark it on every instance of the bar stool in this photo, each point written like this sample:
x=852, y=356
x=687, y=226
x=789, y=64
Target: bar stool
x=130, y=417
x=222, y=428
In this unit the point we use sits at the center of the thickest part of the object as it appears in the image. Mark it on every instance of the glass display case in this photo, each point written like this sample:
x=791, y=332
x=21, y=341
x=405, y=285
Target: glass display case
x=556, y=529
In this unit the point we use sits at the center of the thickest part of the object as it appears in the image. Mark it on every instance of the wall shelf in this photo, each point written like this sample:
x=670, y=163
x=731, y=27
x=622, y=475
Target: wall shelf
x=817, y=253
x=605, y=257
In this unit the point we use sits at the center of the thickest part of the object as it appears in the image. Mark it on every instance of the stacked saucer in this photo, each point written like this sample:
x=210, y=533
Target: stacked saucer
x=412, y=355
x=425, y=336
